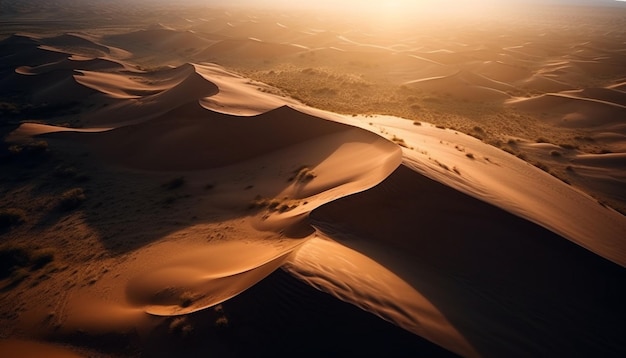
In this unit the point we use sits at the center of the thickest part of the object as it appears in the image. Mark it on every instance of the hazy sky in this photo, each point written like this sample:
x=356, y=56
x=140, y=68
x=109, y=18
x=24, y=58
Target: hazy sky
x=386, y=5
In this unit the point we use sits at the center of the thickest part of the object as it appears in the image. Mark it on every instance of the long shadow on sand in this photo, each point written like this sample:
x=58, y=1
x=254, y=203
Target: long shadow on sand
x=511, y=287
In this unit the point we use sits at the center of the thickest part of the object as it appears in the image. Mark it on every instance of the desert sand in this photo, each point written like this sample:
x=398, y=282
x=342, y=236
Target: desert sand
x=236, y=181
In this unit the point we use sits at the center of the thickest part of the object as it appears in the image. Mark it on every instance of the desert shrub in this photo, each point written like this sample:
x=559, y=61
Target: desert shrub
x=542, y=140
x=399, y=141
x=11, y=217
x=417, y=123
x=37, y=147
x=273, y=204
x=221, y=322
x=174, y=183
x=12, y=258
x=65, y=172
x=15, y=260
x=303, y=175
x=584, y=138
x=29, y=152
x=555, y=153
x=181, y=326
x=41, y=258
x=72, y=199
x=469, y=155
x=187, y=298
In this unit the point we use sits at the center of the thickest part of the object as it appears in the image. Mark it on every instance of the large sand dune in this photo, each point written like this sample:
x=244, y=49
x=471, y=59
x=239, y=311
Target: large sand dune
x=156, y=200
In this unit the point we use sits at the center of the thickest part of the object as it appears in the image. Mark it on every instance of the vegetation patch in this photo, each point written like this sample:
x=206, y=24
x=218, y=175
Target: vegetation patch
x=17, y=262
x=31, y=148
x=399, y=141
x=72, y=199
x=303, y=175
x=174, y=183
x=11, y=217
x=274, y=205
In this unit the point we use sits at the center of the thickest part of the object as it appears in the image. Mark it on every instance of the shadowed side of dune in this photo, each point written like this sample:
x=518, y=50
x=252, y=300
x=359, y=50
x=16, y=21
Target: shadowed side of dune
x=282, y=316
x=510, y=287
x=191, y=137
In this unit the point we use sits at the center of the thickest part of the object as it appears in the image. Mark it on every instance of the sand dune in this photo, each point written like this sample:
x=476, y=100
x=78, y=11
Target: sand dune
x=247, y=48
x=544, y=84
x=77, y=42
x=459, y=265
x=168, y=40
x=97, y=64
x=565, y=109
x=463, y=85
x=503, y=72
x=196, y=189
x=166, y=142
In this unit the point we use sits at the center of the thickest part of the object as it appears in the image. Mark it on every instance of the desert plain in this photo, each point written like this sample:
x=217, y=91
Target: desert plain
x=255, y=179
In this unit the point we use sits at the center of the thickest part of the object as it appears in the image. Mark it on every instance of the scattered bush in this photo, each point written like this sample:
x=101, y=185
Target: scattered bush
x=273, y=204
x=41, y=258
x=399, y=141
x=36, y=150
x=221, y=322
x=180, y=326
x=187, y=298
x=11, y=217
x=555, y=153
x=72, y=199
x=174, y=183
x=17, y=261
x=65, y=172
x=469, y=155
x=303, y=175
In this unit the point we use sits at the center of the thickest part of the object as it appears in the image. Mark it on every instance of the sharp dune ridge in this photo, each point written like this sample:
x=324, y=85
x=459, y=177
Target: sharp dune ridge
x=166, y=186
